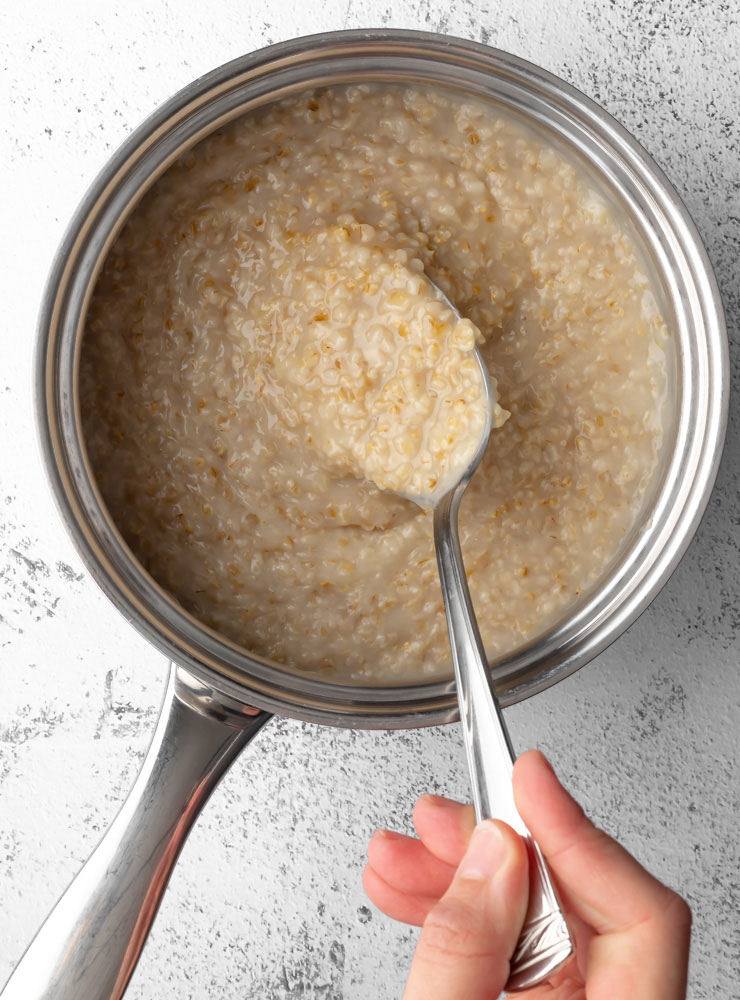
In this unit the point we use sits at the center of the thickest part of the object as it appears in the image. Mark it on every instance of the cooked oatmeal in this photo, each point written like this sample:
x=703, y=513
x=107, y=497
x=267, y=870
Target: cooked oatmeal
x=234, y=378
x=376, y=365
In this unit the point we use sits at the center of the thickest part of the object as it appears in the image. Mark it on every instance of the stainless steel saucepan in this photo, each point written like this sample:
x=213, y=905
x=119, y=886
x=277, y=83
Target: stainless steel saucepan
x=218, y=695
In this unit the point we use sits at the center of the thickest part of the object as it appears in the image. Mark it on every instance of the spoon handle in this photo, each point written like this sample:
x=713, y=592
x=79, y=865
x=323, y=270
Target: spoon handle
x=545, y=942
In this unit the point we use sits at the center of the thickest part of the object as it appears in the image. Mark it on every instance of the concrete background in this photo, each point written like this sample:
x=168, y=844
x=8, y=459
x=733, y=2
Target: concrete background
x=266, y=901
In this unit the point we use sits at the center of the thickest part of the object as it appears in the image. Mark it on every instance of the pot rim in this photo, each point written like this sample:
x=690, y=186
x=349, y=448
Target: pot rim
x=664, y=226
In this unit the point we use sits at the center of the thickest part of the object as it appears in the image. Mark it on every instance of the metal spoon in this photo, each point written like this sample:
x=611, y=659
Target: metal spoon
x=545, y=942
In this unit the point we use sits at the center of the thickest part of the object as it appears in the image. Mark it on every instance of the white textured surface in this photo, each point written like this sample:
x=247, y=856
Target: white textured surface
x=266, y=901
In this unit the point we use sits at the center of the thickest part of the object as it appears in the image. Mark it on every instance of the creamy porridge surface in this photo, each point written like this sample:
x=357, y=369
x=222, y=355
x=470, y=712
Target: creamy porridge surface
x=262, y=345
x=379, y=368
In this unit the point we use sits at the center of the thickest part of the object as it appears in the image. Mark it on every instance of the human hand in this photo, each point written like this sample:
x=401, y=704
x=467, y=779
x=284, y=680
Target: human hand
x=467, y=887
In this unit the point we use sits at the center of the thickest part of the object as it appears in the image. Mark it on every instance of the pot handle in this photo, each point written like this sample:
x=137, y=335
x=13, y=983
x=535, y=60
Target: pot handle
x=91, y=941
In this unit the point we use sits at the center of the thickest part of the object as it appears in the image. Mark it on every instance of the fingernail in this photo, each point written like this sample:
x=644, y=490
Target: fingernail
x=439, y=802
x=485, y=854
x=388, y=834
x=536, y=752
x=547, y=764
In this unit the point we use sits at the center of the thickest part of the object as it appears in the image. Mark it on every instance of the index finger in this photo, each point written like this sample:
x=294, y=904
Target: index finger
x=606, y=886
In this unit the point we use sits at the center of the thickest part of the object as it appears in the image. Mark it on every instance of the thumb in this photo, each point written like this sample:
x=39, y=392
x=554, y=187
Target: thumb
x=469, y=936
